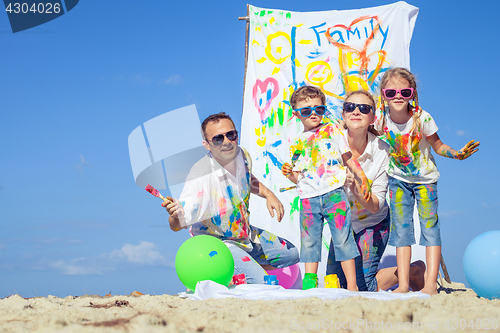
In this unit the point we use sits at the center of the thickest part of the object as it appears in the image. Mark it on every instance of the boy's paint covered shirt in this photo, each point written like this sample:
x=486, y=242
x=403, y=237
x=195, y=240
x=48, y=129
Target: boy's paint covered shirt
x=411, y=160
x=215, y=202
x=320, y=160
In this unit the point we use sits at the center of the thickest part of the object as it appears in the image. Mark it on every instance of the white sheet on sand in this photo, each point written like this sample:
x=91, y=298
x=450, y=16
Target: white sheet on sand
x=210, y=289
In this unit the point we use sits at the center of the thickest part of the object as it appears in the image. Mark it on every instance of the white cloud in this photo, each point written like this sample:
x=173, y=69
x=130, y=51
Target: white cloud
x=145, y=254
x=74, y=241
x=72, y=268
x=460, y=133
x=82, y=165
x=173, y=79
x=450, y=213
x=142, y=80
x=487, y=206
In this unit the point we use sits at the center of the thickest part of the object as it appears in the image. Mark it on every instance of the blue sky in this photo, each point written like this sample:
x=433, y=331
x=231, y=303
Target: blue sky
x=72, y=219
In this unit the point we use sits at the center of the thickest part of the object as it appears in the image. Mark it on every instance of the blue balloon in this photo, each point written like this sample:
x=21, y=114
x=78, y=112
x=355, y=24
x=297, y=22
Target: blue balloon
x=482, y=264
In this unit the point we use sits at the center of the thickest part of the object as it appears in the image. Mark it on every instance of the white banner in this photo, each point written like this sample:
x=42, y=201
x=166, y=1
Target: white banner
x=337, y=51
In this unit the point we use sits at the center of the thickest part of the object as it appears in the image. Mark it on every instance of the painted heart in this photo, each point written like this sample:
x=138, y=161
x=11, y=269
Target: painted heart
x=363, y=56
x=263, y=94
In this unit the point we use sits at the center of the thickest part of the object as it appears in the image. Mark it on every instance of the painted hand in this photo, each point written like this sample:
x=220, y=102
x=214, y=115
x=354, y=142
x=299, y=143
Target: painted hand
x=366, y=189
x=273, y=204
x=469, y=149
x=286, y=169
x=350, y=180
x=174, y=207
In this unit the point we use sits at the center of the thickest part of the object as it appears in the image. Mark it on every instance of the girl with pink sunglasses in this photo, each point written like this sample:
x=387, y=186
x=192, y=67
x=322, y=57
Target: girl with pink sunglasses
x=411, y=132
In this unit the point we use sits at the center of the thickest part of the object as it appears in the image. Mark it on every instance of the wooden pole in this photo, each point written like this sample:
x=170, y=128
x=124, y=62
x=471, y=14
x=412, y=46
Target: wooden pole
x=445, y=271
x=246, y=18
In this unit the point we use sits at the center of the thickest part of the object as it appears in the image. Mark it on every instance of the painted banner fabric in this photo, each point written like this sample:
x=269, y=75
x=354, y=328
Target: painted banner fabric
x=337, y=51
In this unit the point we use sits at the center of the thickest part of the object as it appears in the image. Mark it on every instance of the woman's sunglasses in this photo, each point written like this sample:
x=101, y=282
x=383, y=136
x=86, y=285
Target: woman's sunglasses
x=363, y=108
x=391, y=93
x=320, y=110
x=218, y=139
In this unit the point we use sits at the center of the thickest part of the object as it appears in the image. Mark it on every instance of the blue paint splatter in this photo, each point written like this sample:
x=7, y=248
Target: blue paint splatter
x=315, y=54
x=274, y=160
x=269, y=95
x=213, y=253
x=216, y=220
x=276, y=144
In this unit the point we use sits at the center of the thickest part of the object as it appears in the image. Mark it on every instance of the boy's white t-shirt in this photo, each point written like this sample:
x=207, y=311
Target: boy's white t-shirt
x=411, y=160
x=320, y=163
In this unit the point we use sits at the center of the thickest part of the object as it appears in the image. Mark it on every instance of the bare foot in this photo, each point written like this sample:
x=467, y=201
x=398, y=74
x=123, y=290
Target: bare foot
x=417, y=272
x=401, y=290
x=431, y=290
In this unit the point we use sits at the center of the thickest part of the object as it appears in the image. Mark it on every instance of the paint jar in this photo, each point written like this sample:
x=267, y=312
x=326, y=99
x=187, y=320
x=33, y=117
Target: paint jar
x=271, y=279
x=239, y=279
x=332, y=281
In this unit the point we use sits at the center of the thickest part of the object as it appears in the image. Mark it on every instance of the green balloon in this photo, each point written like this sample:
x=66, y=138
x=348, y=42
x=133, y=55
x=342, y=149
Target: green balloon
x=202, y=258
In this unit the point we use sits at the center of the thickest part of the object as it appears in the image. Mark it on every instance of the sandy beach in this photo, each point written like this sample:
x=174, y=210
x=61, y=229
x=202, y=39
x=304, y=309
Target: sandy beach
x=456, y=308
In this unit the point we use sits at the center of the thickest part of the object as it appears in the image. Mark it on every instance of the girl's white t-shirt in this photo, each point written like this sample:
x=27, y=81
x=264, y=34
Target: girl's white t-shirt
x=410, y=156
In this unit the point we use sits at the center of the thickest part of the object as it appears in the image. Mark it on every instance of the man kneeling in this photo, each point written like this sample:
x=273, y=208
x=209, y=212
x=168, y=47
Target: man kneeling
x=215, y=202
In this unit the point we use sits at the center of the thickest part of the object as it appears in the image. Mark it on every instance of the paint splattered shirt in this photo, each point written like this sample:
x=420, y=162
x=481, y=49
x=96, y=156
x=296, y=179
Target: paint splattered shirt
x=215, y=202
x=374, y=161
x=320, y=162
x=411, y=160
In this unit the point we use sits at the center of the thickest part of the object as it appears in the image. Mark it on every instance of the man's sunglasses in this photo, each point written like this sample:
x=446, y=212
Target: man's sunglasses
x=320, y=110
x=363, y=108
x=218, y=139
x=391, y=93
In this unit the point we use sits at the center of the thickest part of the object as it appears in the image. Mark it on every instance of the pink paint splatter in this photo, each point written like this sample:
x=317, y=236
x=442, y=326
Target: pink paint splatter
x=153, y=191
x=308, y=219
x=340, y=212
x=245, y=259
x=263, y=93
x=321, y=170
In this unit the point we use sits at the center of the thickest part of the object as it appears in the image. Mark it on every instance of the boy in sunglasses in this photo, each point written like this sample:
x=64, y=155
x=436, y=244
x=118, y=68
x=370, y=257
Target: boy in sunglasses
x=215, y=202
x=319, y=156
x=413, y=174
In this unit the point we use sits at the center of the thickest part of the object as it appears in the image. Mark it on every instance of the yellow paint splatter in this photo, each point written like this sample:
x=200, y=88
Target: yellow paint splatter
x=305, y=41
x=297, y=63
x=425, y=208
x=275, y=70
x=399, y=202
x=269, y=51
x=356, y=83
x=261, y=60
x=255, y=42
x=271, y=21
x=352, y=61
x=272, y=238
x=260, y=132
x=366, y=250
